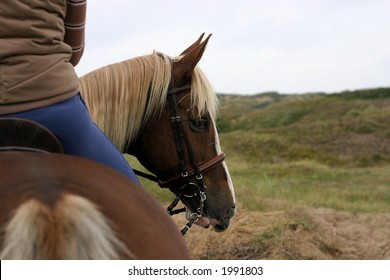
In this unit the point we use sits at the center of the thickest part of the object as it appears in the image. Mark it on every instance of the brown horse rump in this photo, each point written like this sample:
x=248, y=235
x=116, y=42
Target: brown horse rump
x=142, y=227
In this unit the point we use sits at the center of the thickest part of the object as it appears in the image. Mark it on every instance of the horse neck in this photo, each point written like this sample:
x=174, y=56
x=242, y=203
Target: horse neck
x=122, y=97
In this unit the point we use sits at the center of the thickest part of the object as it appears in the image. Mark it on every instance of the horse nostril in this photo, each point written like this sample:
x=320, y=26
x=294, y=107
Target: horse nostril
x=220, y=227
x=230, y=212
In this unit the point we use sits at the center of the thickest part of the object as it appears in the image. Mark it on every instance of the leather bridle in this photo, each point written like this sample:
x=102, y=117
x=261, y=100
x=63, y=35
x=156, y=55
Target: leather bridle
x=188, y=189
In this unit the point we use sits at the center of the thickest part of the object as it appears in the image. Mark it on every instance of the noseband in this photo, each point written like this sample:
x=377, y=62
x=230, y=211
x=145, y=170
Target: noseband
x=188, y=189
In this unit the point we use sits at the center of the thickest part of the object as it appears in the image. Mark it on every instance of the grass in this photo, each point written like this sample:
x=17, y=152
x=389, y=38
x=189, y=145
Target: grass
x=319, y=150
x=279, y=186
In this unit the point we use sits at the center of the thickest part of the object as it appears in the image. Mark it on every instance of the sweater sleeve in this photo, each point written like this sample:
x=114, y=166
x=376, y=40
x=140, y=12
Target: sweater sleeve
x=75, y=28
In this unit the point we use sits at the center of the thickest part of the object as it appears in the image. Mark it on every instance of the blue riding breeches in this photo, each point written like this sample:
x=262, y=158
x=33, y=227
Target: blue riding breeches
x=72, y=125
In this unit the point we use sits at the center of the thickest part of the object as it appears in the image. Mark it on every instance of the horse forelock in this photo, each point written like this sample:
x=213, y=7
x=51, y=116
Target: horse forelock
x=124, y=96
x=203, y=97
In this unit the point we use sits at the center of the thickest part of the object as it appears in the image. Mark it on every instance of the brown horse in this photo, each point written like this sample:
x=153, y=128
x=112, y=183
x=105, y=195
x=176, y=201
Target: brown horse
x=162, y=110
x=56, y=206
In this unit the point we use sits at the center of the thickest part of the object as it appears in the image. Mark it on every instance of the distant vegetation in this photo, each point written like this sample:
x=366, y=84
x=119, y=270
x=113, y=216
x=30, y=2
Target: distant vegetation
x=314, y=149
x=346, y=129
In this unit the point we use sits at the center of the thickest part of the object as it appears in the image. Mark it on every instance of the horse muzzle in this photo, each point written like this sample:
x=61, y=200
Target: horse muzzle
x=219, y=225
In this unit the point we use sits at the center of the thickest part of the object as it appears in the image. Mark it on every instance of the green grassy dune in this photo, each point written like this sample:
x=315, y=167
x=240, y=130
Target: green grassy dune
x=315, y=149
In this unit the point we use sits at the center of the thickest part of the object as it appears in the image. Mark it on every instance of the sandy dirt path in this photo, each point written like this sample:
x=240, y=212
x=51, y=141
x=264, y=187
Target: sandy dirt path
x=301, y=233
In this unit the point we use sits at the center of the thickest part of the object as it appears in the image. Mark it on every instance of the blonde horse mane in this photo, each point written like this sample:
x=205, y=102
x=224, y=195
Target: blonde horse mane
x=124, y=96
x=73, y=229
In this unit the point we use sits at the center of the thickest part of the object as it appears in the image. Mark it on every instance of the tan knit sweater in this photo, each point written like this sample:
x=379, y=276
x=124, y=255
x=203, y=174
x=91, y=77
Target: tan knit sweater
x=37, y=40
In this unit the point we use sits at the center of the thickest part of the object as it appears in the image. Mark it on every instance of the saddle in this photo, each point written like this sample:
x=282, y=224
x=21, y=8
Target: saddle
x=24, y=135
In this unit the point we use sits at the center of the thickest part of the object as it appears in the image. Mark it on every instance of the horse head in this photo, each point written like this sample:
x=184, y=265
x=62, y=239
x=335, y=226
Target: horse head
x=180, y=145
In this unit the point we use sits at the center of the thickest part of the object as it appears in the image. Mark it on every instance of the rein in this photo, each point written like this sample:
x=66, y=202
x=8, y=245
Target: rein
x=203, y=168
x=189, y=189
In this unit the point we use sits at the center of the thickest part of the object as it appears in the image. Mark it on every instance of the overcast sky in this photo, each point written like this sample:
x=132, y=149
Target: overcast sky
x=289, y=46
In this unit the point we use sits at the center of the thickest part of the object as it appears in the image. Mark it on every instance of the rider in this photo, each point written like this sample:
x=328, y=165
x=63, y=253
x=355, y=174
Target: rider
x=40, y=43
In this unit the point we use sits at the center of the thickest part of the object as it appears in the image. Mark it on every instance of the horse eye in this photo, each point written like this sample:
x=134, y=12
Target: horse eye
x=199, y=124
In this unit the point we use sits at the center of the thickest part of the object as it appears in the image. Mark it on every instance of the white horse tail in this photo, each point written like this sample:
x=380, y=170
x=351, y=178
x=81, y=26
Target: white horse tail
x=73, y=228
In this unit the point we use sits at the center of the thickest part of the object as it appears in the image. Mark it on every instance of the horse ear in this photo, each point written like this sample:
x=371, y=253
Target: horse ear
x=194, y=45
x=186, y=65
